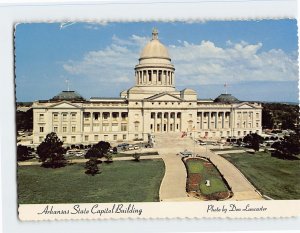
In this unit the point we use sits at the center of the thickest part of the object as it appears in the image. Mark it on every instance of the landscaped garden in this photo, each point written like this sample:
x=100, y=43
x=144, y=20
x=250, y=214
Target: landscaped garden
x=274, y=177
x=120, y=181
x=205, y=181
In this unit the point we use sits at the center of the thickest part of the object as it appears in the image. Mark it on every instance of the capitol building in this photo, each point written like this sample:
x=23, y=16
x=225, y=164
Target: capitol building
x=153, y=105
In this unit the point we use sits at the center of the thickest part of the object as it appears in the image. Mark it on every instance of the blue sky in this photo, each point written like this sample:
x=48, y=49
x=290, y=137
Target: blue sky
x=257, y=59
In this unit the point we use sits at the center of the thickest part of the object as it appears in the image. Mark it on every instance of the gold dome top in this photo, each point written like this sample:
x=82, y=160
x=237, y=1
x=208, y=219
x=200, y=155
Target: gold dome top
x=155, y=49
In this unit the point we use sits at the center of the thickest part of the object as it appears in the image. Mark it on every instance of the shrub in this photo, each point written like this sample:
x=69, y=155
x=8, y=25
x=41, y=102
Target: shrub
x=109, y=158
x=92, y=167
x=136, y=157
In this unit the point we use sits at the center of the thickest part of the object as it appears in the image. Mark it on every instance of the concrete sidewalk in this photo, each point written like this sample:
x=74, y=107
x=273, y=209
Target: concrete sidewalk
x=173, y=185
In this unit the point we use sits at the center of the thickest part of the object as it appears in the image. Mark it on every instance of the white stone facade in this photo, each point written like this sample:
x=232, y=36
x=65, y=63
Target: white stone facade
x=153, y=105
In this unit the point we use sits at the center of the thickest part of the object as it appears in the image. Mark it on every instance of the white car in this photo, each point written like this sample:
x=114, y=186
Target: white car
x=201, y=143
x=136, y=147
x=130, y=147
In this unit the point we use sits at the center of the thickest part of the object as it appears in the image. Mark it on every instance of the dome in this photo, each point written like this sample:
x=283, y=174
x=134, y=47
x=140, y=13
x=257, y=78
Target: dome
x=155, y=49
x=68, y=95
x=226, y=98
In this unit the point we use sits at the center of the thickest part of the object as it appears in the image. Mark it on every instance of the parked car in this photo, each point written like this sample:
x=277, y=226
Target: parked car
x=202, y=143
x=136, y=147
x=186, y=153
x=130, y=147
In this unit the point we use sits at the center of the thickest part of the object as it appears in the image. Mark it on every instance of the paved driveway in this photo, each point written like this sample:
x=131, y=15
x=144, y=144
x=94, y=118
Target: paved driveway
x=173, y=187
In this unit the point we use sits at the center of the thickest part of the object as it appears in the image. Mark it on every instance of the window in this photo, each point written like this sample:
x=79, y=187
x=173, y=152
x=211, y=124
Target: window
x=86, y=138
x=73, y=139
x=105, y=115
x=105, y=137
x=257, y=115
x=41, y=129
x=257, y=124
x=239, y=133
x=86, y=116
x=136, y=116
x=115, y=137
x=151, y=126
x=55, y=129
x=105, y=127
x=64, y=129
x=124, y=137
x=136, y=126
x=96, y=137
x=55, y=117
x=136, y=136
x=73, y=129
x=115, y=116
x=73, y=116
x=64, y=116
x=41, y=139
x=245, y=133
x=152, y=115
x=96, y=116
x=124, y=116
x=123, y=127
x=114, y=127
x=64, y=138
x=41, y=117
x=191, y=115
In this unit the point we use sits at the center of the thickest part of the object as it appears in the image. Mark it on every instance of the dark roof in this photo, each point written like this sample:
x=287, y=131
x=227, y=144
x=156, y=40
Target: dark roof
x=226, y=98
x=68, y=95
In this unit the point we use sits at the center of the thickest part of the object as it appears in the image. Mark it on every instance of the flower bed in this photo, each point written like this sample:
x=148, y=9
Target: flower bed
x=199, y=171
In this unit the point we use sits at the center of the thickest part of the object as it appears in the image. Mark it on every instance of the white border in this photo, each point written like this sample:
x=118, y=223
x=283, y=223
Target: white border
x=115, y=11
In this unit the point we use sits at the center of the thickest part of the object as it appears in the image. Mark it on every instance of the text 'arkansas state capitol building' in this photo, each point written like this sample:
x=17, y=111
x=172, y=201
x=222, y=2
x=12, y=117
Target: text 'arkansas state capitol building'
x=153, y=105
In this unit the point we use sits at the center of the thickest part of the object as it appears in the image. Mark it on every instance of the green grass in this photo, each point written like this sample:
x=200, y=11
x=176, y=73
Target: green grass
x=120, y=181
x=207, y=173
x=277, y=178
x=216, y=185
x=133, y=152
x=195, y=166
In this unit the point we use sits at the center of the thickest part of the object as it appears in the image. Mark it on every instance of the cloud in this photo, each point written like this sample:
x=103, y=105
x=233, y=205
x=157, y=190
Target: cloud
x=96, y=25
x=196, y=64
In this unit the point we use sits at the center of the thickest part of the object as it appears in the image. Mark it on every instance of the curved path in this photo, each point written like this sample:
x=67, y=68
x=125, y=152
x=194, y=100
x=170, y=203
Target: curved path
x=173, y=186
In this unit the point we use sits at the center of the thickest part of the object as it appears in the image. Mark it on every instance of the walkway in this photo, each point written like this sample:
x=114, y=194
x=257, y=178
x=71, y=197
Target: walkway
x=173, y=186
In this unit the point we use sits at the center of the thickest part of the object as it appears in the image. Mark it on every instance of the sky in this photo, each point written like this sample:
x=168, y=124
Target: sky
x=256, y=59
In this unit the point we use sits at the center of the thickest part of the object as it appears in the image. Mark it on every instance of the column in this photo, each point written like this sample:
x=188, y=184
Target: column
x=223, y=120
x=216, y=120
x=208, y=120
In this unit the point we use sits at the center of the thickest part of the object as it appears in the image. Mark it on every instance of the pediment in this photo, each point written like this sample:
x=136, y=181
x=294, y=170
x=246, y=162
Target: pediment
x=64, y=105
x=245, y=106
x=163, y=97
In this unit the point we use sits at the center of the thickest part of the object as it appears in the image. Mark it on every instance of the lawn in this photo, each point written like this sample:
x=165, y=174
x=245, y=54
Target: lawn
x=199, y=171
x=276, y=178
x=120, y=154
x=120, y=181
x=194, y=166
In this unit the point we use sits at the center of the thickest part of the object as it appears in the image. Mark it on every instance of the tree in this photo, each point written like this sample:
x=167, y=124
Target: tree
x=288, y=148
x=253, y=139
x=267, y=119
x=92, y=153
x=51, y=151
x=23, y=153
x=115, y=150
x=103, y=148
x=92, y=167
